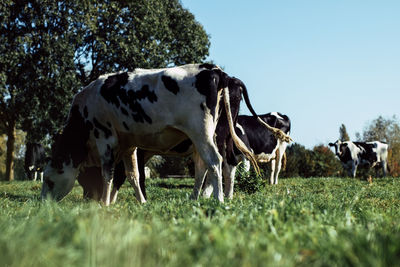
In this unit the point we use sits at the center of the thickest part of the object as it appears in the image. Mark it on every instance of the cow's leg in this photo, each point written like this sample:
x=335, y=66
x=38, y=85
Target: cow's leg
x=272, y=176
x=113, y=195
x=107, y=170
x=279, y=159
x=353, y=170
x=229, y=172
x=142, y=174
x=384, y=168
x=212, y=159
x=208, y=188
x=41, y=176
x=132, y=173
x=107, y=173
x=200, y=174
x=35, y=176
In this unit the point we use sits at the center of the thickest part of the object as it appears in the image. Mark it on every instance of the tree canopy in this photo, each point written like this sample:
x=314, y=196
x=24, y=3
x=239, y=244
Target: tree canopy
x=50, y=49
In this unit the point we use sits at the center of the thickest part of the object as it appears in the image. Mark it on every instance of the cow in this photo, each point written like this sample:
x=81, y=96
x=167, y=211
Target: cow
x=149, y=109
x=367, y=154
x=185, y=148
x=265, y=146
x=35, y=161
x=262, y=142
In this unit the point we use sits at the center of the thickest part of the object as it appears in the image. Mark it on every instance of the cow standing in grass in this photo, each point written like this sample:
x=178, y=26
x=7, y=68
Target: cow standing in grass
x=35, y=161
x=367, y=154
x=262, y=143
x=118, y=113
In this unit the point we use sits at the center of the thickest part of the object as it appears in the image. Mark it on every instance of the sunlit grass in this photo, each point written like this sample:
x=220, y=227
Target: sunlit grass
x=300, y=222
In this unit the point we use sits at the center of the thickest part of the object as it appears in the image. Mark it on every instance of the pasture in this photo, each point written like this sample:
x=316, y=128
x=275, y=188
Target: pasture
x=300, y=222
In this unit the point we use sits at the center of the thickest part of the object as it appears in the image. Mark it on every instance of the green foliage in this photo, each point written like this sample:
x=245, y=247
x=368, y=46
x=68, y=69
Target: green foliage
x=319, y=162
x=299, y=222
x=343, y=135
x=52, y=48
x=248, y=181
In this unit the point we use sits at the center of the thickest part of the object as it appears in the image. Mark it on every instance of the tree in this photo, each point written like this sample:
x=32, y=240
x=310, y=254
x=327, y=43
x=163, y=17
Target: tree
x=318, y=162
x=50, y=49
x=343, y=135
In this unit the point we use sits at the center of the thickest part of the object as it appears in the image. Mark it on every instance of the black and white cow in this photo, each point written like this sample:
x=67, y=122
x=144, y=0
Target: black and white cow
x=265, y=146
x=149, y=109
x=368, y=154
x=185, y=148
x=35, y=161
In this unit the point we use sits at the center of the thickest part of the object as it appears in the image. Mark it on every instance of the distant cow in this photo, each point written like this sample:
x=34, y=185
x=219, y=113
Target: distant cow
x=261, y=142
x=35, y=160
x=368, y=154
x=118, y=113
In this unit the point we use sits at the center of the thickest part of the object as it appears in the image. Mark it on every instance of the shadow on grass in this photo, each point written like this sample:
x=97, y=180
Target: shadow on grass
x=171, y=185
x=19, y=198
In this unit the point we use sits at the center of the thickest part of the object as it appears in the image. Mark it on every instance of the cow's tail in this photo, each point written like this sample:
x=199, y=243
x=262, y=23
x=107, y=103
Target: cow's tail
x=278, y=133
x=238, y=142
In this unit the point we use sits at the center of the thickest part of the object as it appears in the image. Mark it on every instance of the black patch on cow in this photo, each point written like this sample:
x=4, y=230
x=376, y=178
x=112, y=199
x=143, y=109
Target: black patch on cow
x=96, y=133
x=345, y=153
x=183, y=146
x=71, y=144
x=114, y=92
x=85, y=112
x=170, y=84
x=202, y=106
x=207, y=84
x=146, y=93
x=124, y=111
x=125, y=125
x=207, y=66
x=109, y=124
x=113, y=88
x=367, y=152
x=107, y=132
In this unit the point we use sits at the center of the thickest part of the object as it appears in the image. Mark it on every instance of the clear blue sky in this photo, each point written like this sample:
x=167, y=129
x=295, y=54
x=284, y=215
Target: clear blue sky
x=322, y=63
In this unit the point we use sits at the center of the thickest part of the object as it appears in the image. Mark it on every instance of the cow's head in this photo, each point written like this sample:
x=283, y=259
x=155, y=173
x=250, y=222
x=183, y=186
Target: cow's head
x=340, y=147
x=69, y=150
x=58, y=182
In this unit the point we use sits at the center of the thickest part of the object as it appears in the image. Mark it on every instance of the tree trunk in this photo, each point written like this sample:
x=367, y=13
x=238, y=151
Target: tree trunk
x=10, y=151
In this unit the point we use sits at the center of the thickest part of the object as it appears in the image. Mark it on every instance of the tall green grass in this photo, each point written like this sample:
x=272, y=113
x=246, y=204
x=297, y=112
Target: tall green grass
x=300, y=222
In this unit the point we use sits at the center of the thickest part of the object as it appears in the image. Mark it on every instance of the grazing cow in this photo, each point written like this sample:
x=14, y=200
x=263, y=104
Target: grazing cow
x=185, y=148
x=261, y=142
x=35, y=160
x=118, y=113
x=368, y=154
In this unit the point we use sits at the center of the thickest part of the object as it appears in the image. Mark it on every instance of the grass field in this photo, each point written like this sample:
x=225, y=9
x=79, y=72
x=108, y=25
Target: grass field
x=300, y=222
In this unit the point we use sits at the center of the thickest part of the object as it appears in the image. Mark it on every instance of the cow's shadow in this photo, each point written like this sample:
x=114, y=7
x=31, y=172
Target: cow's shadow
x=171, y=186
